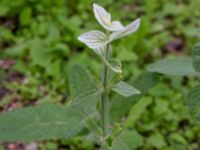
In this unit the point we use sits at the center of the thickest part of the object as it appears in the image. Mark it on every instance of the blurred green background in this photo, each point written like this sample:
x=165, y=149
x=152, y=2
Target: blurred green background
x=38, y=44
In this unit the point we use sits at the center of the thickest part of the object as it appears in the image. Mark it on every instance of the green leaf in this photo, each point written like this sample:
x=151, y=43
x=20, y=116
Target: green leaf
x=116, y=131
x=17, y=50
x=121, y=105
x=128, y=140
x=193, y=102
x=145, y=81
x=40, y=123
x=137, y=111
x=93, y=127
x=196, y=56
x=86, y=104
x=125, y=89
x=39, y=53
x=85, y=91
x=176, y=66
x=25, y=16
x=127, y=56
x=157, y=140
x=4, y=9
x=81, y=82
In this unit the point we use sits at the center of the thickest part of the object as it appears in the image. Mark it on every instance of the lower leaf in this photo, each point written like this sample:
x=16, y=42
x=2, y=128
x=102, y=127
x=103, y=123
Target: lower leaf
x=40, y=123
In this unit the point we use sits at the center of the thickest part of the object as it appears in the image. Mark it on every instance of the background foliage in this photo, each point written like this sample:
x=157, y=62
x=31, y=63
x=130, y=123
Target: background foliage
x=38, y=45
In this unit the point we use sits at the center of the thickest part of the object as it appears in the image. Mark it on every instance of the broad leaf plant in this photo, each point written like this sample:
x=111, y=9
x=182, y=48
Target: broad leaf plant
x=89, y=107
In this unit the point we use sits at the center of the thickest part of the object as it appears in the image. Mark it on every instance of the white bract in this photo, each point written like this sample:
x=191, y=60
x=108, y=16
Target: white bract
x=132, y=27
x=104, y=19
x=94, y=39
x=98, y=40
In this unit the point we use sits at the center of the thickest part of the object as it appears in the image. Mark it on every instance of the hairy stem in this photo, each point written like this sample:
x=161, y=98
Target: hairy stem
x=105, y=99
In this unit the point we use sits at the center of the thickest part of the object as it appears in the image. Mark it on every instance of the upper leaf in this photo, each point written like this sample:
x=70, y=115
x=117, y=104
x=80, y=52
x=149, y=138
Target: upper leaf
x=176, y=66
x=104, y=19
x=125, y=89
x=40, y=123
x=94, y=39
x=126, y=31
x=102, y=16
x=193, y=101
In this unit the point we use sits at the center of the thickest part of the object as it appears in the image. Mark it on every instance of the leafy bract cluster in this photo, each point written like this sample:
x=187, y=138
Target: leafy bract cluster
x=98, y=40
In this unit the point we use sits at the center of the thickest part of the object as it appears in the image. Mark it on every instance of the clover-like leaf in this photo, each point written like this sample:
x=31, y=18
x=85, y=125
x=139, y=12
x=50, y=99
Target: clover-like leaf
x=94, y=39
x=132, y=27
x=104, y=19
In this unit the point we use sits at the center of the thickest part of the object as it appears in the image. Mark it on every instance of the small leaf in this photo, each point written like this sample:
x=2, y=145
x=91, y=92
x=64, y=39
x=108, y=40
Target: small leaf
x=125, y=89
x=121, y=105
x=39, y=52
x=116, y=131
x=25, y=16
x=157, y=140
x=93, y=127
x=40, y=123
x=145, y=81
x=176, y=66
x=193, y=102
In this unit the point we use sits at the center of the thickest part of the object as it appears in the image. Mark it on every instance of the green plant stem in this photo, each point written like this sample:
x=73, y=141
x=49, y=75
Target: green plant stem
x=105, y=99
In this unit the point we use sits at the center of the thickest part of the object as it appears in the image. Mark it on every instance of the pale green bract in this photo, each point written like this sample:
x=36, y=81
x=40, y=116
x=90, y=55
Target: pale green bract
x=98, y=40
